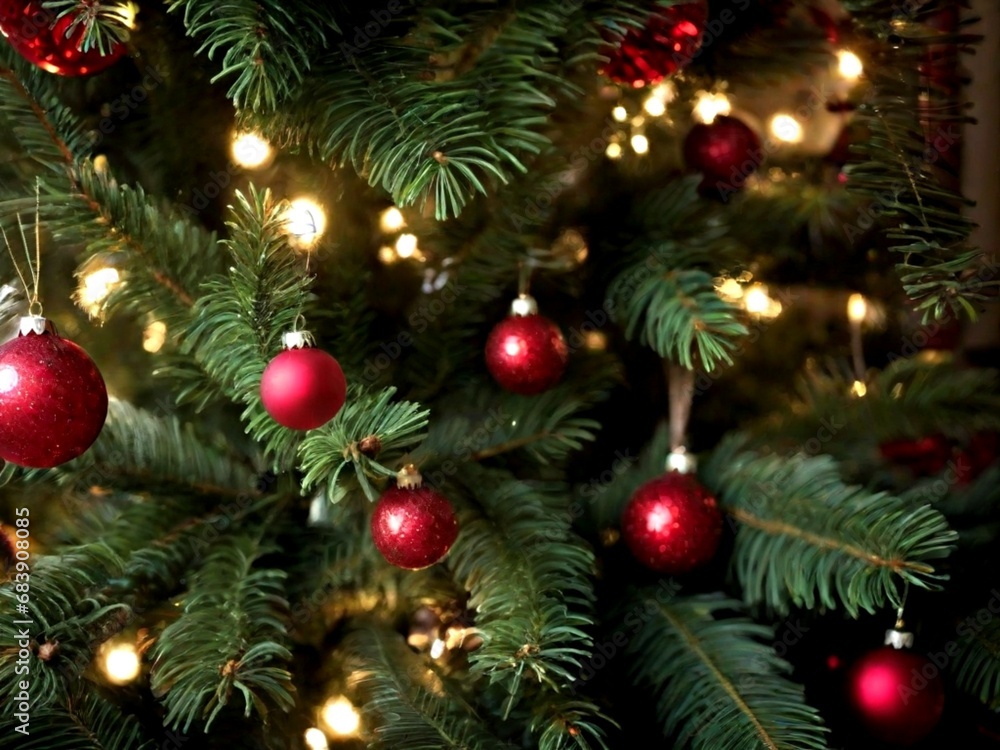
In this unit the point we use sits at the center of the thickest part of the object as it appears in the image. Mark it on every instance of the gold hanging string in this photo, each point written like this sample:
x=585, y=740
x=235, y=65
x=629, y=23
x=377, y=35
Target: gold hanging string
x=680, y=386
x=34, y=266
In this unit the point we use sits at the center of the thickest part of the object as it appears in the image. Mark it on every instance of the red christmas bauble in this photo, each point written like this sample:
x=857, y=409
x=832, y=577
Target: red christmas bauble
x=41, y=39
x=53, y=401
x=303, y=389
x=924, y=457
x=897, y=694
x=672, y=524
x=526, y=354
x=724, y=150
x=413, y=528
x=669, y=41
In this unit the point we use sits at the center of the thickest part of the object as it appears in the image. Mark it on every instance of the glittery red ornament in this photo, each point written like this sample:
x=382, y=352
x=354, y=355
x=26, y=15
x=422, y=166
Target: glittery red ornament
x=302, y=388
x=669, y=41
x=53, y=401
x=672, y=524
x=725, y=150
x=526, y=352
x=413, y=527
x=897, y=694
x=41, y=39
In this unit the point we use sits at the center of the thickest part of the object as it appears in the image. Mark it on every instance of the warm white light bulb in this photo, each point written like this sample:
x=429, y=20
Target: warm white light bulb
x=849, y=65
x=250, y=150
x=392, y=220
x=340, y=715
x=620, y=113
x=95, y=287
x=406, y=245
x=316, y=740
x=121, y=663
x=786, y=128
x=859, y=389
x=640, y=143
x=730, y=289
x=305, y=222
x=654, y=106
x=154, y=337
x=613, y=151
x=709, y=106
x=857, y=308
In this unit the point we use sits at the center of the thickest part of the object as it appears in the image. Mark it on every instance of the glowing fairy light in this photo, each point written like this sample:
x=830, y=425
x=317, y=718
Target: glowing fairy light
x=708, y=106
x=392, y=220
x=730, y=289
x=757, y=301
x=640, y=143
x=316, y=740
x=654, y=106
x=340, y=715
x=786, y=128
x=437, y=649
x=121, y=663
x=305, y=222
x=619, y=113
x=251, y=151
x=613, y=151
x=849, y=65
x=406, y=245
x=859, y=389
x=154, y=336
x=95, y=287
x=857, y=308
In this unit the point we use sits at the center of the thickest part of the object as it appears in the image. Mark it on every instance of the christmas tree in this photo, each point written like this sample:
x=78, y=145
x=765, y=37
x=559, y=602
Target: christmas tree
x=588, y=374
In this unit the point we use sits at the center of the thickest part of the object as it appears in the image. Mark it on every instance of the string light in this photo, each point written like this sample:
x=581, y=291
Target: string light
x=316, y=740
x=708, y=106
x=654, y=106
x=392, y=220
x=121, y=663
x=640, y=143
x=786, y=128
x=387, y=255
x=305, y=222
x=757, y=301
x=95, y=287
x=619, y=113
x=250, y=150
x=154, y=336
x=730, y=289
x=613, y=151
x=595, y=340
x=340, y=715
x=857, y=308
x=406, y=245
x=849, y=65
x=859, y=389
x=437, y=648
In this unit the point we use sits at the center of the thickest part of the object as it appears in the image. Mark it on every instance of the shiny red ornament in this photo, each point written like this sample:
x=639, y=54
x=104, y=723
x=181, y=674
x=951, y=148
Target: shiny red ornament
x=725, y=150
x=669, y=41
x=897, y=694
x=302, y=388
x=924, y=457
x=53, y=401
x=35, y=33
x=526, y=353
x=672, y=524
x=413, y=527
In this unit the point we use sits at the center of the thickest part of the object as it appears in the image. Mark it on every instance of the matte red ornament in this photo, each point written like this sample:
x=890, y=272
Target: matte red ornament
x=672, y=524
x=669, y=41
x=35, y=33
x=413, y=527
x=924, y=457
x=724, y=150
x=53, y=401
x=526, y=352
x=897, y=694
x=302, y=388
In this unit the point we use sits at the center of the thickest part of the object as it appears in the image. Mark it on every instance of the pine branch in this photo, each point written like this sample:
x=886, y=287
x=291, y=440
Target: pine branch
x=717, y=684
x=564, y=723
x=528, y=576
x=267, y=45
x=804, y=536
x=407, y=704
x=141, y=452
x=104, y=24
x=242, y=316
x=66, y=604
x=977, y=666
x=912, y=122
x=369, y=425
x=87, y=721
x=231, y=638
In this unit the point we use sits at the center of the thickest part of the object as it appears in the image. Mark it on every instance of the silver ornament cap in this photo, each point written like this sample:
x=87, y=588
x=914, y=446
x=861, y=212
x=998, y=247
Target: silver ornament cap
x=35, y=324
x=297, y=340
x=523, y=306
x=681, y=461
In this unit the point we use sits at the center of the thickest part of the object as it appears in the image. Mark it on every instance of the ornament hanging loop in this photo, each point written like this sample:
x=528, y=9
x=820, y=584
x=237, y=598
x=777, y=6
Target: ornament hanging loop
x=896, y=636
x=34, y=266
x=680, y=386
